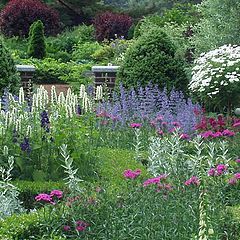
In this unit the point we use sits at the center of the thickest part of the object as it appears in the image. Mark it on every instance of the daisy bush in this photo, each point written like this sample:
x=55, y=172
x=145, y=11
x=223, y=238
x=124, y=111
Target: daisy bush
x=215, y=77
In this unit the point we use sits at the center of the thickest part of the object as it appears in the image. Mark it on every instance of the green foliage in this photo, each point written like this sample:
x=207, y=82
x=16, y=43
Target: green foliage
x=233, y=222
x=112, y=163
x=19, y=226
x=69, y=38
x=50, y=71
x=219, y=25
x=83, y=51
x=9, y=77
x=37, y=45
x=152, y=59
x=28, y=190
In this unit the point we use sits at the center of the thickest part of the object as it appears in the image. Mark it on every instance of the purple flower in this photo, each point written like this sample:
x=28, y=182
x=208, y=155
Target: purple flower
x=207, y=134
x=56, y=193
x=238, y=161
x=217, y=134
x=192, y=181
x=25, y=145
x=131, y=174
x=44, y=120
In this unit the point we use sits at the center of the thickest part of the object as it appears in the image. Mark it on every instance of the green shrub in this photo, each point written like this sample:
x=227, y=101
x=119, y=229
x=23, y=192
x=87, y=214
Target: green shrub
x=9, y=77
x=37, y=45
x=68, y=39
x=152, y=59
x=28, y=190
x=19, y=227
x=83, y=51
x=49, y=71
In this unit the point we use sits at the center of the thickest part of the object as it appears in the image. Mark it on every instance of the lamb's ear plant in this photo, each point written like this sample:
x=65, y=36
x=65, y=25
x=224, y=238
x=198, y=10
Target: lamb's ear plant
x=9, y=194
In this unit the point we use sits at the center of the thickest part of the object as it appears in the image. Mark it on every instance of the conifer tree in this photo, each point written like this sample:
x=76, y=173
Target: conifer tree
x=37, y=45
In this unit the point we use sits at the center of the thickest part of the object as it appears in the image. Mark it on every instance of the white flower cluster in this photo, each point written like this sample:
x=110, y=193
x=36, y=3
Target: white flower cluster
x=216, y=70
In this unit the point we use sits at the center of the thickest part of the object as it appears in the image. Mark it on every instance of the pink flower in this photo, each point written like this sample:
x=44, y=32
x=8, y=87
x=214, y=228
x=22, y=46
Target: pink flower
x=232, y=181
x=131, y=174
x=160, y=132
x=66, y=228
x=81, y=225
x=217, y=134
x=56, y=193
x=176, y=124
x=159, y=118
x=135, y=125
x=184, y=136
x=228, y=133
x=237, y=175
x=192, y=181
x=207, y=134
x=45, y=198
x=153, y=123
x=238, y=161
x=237, y=124
x=155, y=180
x=221, y=168
x=212, y=172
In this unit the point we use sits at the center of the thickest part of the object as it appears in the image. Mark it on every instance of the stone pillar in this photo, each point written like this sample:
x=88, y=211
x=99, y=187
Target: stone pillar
x=105, y=75
x=26, y=74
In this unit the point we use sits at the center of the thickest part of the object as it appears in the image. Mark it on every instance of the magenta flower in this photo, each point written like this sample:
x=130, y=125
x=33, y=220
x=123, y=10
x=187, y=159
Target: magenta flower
x=131, y=174
x=81, y=225
x=192, y=181
x=184, y=136
x=160, y=132
x=135, y=125
x=237, y=124
x=155, y=180
x=232, y=181
x=221, y=168
x=176, y=124
x=238, y=161
x=207, y=134
x=212, y=172
x=237, y=175
x=45, y=198
x=56, y=193
x=228, y=133
x=217, y=134
x=66, y=228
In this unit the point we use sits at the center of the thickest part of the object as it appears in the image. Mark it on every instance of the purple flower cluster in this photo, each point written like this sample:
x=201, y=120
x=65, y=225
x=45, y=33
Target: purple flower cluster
x=234, y=179
x=211, y=134
x=131, y=174
x=149, y=104
x=135, y=125
x=45, y=121
x=25, y=145
x=80, y=226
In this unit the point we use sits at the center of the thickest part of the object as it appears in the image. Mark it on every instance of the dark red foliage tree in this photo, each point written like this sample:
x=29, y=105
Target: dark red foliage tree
x=108, y=24
x=18, y=15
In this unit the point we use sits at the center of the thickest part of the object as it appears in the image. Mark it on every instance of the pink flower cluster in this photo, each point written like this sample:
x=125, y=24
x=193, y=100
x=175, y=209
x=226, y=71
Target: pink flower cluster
x=218, y=171
x=209, y=133
x=234, y=179
x=48, y=198
x=135, y=125
x=155, y=180
x=80, y=226
x=192, y=181
x=131, y=174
